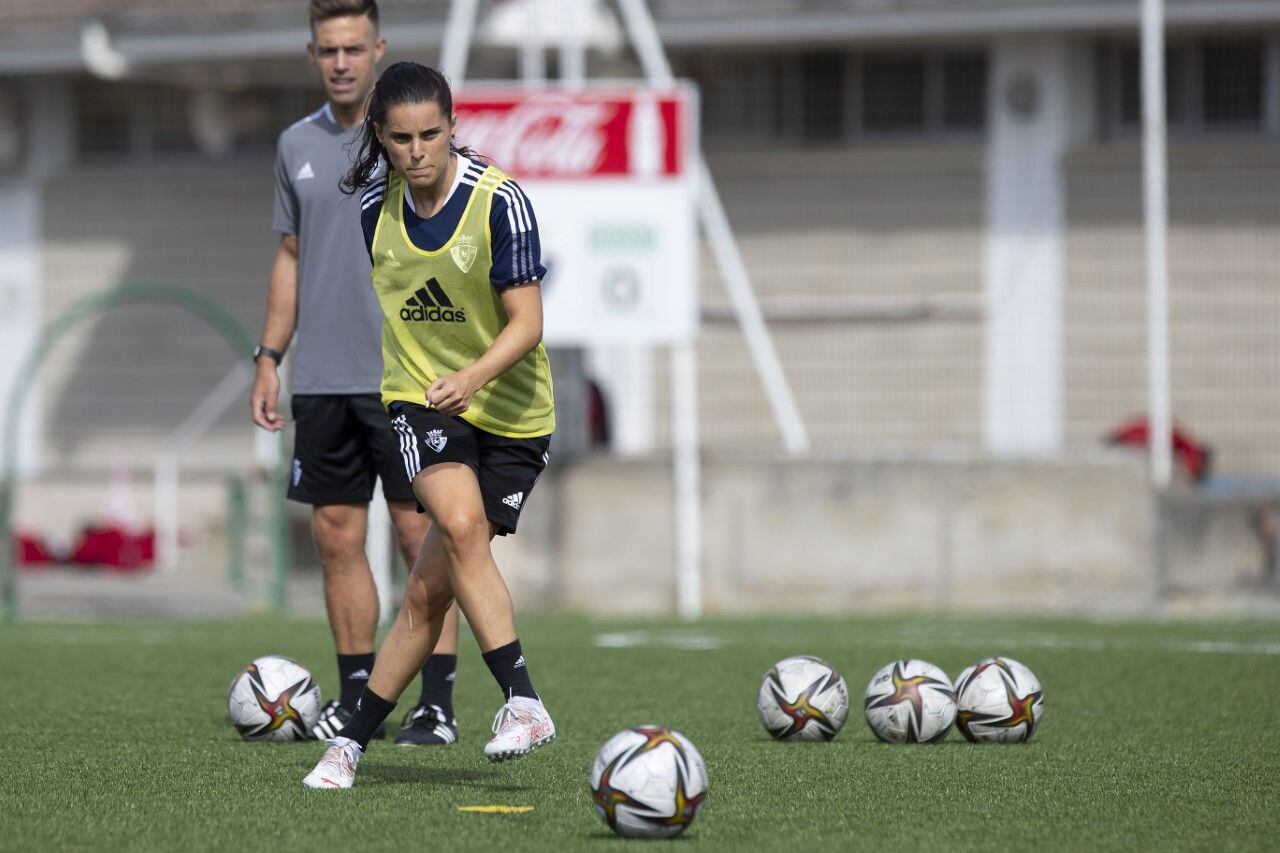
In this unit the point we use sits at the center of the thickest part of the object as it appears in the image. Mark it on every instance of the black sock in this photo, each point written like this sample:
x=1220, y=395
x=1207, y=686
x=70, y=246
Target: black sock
x=371, y=710
x=437, y=683
x=353, y=674
x=507, y=665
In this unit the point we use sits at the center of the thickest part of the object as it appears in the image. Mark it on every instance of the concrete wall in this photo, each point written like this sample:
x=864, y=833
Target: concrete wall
x=840, y=535
x=1224, y=249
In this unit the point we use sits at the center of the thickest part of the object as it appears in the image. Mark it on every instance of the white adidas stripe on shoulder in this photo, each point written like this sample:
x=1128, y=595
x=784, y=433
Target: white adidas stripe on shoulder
x=373, y=194
x=308, y=118
x=520, y=220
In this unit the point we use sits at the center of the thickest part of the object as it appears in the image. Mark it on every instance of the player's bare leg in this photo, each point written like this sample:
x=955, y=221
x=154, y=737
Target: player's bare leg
x=451, y=495
x=413, y=634
x=420, y=622
x=455, y=555
x=432, y=721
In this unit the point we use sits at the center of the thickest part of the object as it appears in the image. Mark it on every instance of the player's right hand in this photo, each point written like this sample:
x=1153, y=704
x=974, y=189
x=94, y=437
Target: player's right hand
x=263, y=402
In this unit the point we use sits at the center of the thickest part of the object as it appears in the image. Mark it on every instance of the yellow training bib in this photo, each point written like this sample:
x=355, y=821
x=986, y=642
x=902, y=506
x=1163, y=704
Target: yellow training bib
x=441, y=314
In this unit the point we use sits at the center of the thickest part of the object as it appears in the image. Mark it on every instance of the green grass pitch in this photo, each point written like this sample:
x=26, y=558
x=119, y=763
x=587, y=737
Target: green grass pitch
x=1156, y=735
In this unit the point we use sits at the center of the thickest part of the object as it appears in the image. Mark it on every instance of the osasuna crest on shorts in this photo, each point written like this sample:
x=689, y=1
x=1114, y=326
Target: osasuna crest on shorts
x=436, y=440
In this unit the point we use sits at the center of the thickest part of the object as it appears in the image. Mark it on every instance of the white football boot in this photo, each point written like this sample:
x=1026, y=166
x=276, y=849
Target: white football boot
x=520, y=726
x=337, y=769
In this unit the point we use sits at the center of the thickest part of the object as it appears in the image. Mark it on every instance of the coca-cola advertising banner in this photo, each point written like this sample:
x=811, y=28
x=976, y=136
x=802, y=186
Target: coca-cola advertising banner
x=578, y=135
x=611, y=176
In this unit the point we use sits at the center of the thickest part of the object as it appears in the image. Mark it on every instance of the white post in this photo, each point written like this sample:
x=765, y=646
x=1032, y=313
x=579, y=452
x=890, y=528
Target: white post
x=644, y=35
x=688, y=498
x=21, y=271
x=1032, y=123
x=533, y=63
x=165, y=511
x=573, y=50
x=378, y=547
x=1156, y=223
x=457, y=41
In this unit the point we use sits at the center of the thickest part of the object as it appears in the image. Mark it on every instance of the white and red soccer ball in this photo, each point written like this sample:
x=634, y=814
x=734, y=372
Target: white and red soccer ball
x=910, y=701
x=648, y=782
x=802, y=698
x=1000, y=701
x=274, y=698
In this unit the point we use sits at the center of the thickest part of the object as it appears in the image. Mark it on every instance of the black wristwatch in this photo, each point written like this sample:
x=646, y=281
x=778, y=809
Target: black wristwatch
x=274, y=354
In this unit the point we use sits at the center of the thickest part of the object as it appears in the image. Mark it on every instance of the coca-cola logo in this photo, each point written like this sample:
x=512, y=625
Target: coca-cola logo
x=574, y=136
x=552, y=137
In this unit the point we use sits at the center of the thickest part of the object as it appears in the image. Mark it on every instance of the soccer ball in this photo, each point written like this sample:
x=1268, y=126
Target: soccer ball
x=910, y=701
x=274, y=698
x=1000, y=701
x=648, y=782
x=802, y=698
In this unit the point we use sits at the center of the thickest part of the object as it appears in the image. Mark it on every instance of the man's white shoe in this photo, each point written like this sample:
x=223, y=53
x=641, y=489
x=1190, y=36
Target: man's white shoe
x=520, y=726
x=338, y=767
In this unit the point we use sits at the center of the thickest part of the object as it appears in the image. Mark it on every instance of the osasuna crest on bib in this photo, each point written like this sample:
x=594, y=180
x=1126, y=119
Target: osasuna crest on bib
x=436, y=439
x=464, y=252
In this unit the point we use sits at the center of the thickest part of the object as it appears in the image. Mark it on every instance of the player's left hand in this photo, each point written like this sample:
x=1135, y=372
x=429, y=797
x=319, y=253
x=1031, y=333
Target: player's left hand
x=451, y=395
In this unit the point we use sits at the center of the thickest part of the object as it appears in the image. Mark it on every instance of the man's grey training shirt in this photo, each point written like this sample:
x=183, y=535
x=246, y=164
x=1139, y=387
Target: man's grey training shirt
x=337, y=348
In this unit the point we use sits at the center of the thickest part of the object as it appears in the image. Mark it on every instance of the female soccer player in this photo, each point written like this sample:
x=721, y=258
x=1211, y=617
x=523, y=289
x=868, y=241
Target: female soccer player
x=468, y=388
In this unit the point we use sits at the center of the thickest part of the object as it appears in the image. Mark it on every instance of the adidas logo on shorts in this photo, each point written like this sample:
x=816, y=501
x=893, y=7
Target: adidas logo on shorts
x=515, y=500
x=430, y=304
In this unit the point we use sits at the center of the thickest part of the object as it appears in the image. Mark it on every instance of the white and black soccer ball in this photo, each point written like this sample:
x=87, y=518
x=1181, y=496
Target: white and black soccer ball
x=910, y=701
x=1000, y=701
x=802, y=698
x=648, y=782
x=274, y=698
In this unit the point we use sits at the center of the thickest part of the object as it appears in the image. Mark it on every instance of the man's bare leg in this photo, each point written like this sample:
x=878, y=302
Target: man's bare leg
x=351, y=600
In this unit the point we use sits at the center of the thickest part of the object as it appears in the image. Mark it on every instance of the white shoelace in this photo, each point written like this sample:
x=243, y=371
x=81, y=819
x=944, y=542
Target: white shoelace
x=341, y=758
x=500, y=719
x=511, y=715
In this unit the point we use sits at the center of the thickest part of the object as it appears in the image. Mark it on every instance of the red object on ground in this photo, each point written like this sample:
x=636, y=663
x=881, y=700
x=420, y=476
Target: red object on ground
x=30, y=550
x=1193, y=456
x=113, y=547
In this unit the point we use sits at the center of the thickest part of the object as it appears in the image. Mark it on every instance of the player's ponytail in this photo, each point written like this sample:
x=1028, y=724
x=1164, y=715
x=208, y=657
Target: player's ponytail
x=402, y=83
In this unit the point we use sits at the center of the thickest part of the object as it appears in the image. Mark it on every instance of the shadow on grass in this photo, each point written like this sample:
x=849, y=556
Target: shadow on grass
x=383, y=774
x=603, y=835
x=867, y=738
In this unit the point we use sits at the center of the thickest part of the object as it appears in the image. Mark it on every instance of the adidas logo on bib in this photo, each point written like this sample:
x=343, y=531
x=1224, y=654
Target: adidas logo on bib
x=515, y=500
x=430, y=304
x=305, y=173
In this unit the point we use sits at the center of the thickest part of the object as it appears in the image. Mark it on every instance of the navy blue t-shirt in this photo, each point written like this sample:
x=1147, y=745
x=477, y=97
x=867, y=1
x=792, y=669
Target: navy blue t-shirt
x=517, y=250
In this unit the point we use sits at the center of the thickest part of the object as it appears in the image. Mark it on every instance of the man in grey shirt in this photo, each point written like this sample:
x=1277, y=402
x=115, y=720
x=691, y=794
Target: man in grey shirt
x=320, y=289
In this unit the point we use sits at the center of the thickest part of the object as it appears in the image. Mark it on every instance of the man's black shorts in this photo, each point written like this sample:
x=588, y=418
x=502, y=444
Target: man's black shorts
x=507, y=468
x=342, y=444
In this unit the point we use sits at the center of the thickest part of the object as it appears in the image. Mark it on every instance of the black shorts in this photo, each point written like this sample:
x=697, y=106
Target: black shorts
x=507, y=468
x=342, y=444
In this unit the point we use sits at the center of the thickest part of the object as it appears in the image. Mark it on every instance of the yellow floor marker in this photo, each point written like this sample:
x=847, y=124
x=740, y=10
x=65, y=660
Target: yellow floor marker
x=496, y=809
